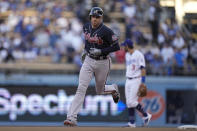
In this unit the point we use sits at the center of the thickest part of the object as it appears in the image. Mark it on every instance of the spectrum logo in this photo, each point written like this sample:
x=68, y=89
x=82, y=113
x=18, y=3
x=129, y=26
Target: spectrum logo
x=93, y=104
x=18, y=104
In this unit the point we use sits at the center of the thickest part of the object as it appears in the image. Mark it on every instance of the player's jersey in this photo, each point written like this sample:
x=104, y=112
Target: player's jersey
x=133, y=63
x=100, y=38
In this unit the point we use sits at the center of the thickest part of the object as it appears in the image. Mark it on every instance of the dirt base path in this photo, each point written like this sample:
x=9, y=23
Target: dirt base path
x=87, y=129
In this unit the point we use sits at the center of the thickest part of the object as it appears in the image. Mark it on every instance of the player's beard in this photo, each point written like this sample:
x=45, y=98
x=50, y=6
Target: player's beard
x=126, y=49
x=95, y=23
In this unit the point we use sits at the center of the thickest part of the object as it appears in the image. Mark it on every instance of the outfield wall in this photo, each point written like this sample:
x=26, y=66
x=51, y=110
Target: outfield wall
x=46, y=98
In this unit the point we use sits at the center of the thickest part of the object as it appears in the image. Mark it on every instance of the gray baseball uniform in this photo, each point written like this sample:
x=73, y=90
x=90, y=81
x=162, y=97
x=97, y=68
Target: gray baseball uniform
x=99, y=43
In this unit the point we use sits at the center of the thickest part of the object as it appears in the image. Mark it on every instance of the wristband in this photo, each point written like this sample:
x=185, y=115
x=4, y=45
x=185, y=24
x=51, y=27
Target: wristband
x=143, y=79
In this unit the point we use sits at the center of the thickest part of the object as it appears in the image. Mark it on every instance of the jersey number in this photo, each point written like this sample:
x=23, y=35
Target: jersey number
x=133, y=67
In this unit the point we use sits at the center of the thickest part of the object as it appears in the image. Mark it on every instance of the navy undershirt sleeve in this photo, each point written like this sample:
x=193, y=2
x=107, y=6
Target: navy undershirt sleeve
x=114, y=47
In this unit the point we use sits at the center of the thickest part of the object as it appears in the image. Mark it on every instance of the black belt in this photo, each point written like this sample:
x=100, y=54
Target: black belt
x=98, y=57
x=130, y=78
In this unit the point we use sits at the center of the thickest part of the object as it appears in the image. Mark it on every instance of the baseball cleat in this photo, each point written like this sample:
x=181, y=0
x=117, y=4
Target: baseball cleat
x=70, y=123
x=147, y=119
x=131, y=125
x=116, y=94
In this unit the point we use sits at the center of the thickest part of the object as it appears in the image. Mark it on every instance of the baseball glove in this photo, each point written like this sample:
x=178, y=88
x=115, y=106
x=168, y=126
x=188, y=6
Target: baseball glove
x=142, y=91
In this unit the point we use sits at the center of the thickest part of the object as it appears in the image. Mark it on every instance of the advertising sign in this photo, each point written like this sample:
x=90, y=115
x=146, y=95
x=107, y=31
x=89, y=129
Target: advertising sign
x=33, y=103
x=153, y=103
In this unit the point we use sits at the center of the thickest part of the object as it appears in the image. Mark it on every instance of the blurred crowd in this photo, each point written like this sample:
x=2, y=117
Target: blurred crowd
x=169, y=47
x=34, y=28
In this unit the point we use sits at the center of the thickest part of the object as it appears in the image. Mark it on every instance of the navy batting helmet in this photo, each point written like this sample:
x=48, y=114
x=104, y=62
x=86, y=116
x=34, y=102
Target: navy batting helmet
x=96, y=11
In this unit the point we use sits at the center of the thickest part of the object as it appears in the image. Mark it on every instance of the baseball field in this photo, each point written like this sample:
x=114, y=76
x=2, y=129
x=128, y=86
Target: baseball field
x=6, y=128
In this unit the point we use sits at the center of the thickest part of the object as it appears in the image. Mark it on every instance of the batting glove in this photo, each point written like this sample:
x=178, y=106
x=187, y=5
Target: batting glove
x=83, y=55
x=95, y=52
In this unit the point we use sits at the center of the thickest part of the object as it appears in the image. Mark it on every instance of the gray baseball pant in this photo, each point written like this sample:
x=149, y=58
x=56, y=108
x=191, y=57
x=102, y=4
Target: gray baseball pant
x=100, y=69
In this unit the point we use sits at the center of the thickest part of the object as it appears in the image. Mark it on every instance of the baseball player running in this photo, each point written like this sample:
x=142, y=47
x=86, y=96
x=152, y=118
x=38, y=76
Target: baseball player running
x=134, y=87
x=99, y=42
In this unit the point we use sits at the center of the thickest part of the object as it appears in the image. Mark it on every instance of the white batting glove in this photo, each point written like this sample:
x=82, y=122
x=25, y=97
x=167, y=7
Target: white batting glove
x=95, y=52
x=83, y=55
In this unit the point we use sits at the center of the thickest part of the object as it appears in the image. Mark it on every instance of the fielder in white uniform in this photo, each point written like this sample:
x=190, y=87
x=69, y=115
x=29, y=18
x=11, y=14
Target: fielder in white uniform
x=135, y=74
